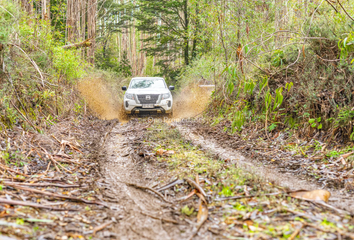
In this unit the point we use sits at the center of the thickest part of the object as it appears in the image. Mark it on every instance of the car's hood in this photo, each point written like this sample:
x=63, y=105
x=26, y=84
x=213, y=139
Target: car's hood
x=148, y=91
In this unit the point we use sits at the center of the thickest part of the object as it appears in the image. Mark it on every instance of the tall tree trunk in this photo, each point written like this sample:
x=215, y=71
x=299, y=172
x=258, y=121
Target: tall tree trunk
x=27, y=6
x=196, y=32
x=91, y=29
x=186, y=33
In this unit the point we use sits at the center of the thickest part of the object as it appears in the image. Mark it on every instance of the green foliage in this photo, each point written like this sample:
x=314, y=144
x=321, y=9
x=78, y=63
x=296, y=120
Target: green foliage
x=316, y=123
x=226, y=191
x=187, y=211
x=8, y=14
x=68, y=62
x=239, y=120
x=346, y=46
x=39, y=71
x=278, y=58
x=278, y=100
x=124, y=66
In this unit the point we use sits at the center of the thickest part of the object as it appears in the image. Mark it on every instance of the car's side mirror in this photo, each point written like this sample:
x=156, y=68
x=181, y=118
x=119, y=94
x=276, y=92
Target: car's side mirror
x=124, y=88
x=171, y=88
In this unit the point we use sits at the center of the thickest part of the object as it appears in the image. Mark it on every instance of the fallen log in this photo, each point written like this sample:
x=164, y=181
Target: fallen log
x=85, y=43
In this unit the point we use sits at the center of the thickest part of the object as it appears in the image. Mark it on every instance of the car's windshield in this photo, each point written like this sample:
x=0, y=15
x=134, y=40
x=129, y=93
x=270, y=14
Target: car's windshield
x=147, y=83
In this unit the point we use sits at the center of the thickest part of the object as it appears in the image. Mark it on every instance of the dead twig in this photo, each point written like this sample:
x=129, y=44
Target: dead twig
x=55, y=195
x=196, y=186
x=11, y=170
x=160, y=218
x=296, y=232
x=101, y=227
x=169, y=185
x=185, y=198
x=47, y=185
x=33, y=62
x=26, y=119
x=30, y=204
x=150, y=189
x=201, y=218
x=344, y=10
x=335, y=9
x=250, y=196
x=350, y=235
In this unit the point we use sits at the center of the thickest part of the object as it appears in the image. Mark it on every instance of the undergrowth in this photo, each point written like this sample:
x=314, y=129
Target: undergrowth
x=37, y=76
x=307, y=88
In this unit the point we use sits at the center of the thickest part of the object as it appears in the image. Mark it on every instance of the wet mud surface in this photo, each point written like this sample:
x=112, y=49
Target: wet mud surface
x=125, y=158
x=277, y=174
x=135, y=208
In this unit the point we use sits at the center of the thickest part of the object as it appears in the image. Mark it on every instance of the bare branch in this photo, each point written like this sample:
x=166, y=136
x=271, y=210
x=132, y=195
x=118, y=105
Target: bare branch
x=345, y=10
x=33, y=62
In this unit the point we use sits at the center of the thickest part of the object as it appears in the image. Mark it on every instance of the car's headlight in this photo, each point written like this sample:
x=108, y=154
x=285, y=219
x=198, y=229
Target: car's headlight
x=129, y=96
x=165, y=96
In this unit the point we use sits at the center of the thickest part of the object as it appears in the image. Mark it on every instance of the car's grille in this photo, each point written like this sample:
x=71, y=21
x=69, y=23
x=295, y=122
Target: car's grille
x=148, y=98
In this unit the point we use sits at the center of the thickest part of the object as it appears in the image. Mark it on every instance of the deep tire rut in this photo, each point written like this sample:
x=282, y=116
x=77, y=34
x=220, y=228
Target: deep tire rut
x=269, y=173
x=119, y=167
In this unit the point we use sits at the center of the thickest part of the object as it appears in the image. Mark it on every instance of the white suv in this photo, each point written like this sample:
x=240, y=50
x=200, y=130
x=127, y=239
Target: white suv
x=148, y=95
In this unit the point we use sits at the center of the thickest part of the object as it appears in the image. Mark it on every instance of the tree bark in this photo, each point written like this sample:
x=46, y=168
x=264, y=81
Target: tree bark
x=186, y=39
x=91, y=29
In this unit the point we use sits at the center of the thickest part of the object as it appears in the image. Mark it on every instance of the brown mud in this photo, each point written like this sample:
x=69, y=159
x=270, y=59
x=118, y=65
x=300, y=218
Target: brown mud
x=191, y=101
x=101, y=99
x=135, y=209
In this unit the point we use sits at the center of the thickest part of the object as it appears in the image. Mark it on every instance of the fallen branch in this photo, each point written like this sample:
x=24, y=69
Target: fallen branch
x=196, y=186
x=55, y=195
x=150, y=189
x=11, y=170
x=344, y=10
x=30, y=204
x=47, y=185
x=85, y=43
x=161, y=219
x=250, y=196
x=296, y=232
x=169, y=185
x=33, y=62
x=103, y=226
x=18, y=110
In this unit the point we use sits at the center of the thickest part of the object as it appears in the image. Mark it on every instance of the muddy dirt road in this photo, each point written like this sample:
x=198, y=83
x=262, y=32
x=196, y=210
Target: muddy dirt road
x=135, y=208
x=244, y=198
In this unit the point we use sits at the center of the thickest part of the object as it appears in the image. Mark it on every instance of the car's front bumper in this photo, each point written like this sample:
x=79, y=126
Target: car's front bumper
x=132, y=107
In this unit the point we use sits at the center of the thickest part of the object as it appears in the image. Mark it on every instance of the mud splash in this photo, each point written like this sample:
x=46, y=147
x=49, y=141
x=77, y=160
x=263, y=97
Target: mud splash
x=101, y=99
x=107, y=104
x=191, y=101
